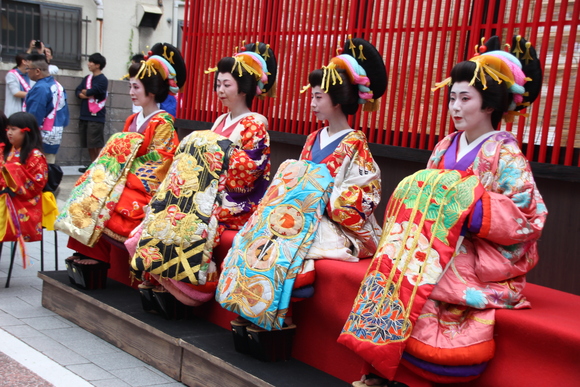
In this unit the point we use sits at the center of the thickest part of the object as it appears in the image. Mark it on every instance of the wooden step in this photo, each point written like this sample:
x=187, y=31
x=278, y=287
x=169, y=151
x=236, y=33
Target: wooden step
x=194, y=351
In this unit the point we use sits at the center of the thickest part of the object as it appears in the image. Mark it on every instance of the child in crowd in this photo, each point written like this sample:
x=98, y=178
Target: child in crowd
x=24, y=173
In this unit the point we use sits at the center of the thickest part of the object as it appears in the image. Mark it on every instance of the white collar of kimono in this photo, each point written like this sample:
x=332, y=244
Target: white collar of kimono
x=464, y=147
x=141, y=119
x=325, y=139
x=230, y=119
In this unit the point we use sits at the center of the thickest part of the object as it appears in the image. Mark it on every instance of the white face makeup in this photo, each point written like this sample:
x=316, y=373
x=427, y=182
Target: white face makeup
x=321, y=104
x=226, y=88
x=138, y=94
x=465, y=110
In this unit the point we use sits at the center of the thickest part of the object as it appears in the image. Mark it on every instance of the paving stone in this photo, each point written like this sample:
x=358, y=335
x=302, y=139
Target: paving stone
x=141, y=376
x=90, y=372
x=45, y=323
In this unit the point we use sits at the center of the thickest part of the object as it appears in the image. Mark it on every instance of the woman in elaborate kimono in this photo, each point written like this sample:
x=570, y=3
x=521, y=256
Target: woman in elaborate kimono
x=281, y=236
x=238, y=164
x=145, y=149
x=452, y=338
x=348, y=229
x=24, y=175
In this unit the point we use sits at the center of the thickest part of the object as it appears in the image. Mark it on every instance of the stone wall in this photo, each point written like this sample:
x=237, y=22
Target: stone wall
x=118, y=109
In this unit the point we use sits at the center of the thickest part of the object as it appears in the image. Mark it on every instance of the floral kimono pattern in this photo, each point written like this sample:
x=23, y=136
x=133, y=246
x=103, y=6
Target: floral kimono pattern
x=179, y=231
x=454, y=333
x=96, y=192
x=249, y=169
x=348, y=230
x=424, y=219
x=260, y=268
x=21, y=214
x=148, y=170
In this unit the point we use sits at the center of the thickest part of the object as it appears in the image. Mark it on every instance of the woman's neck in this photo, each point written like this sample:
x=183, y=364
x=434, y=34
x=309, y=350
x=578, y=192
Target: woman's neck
x=337, y=124
x=473, y=135
x=238, y=111
x=150, y=108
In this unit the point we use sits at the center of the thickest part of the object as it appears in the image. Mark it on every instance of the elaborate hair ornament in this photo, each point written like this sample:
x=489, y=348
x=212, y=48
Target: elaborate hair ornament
x=255, y=64
x=522, y=78
x=359, y=70
x=156, y=64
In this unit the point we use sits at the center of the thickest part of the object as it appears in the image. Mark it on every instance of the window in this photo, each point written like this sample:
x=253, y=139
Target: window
x=55, y=25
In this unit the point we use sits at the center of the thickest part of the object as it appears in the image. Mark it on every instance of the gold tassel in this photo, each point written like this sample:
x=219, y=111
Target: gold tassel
x=508, y=46
x=146, y=69
x=351, y=46
x=170, y=57
x=210, y=70
x=477, y=49
x=512, y=114
x=441, y=84
x=272, y=92
x=304, y=88
x=235, y=50
x=518, y=48
x=266, y=54
x=372, y=105
x=328, y=73
x=361, y=54
x=528, y=57
x=257, y=49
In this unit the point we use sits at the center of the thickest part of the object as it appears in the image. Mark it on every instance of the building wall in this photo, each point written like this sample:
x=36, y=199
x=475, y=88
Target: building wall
x=117, y=36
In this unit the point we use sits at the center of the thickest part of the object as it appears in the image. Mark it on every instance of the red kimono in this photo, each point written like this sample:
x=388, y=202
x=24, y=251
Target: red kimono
x=27, y=181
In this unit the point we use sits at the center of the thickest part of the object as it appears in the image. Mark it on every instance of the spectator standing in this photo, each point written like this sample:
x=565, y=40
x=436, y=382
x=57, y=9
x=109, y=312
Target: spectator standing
x=47, y=101
x=48, y=53
x=93, y=94
x=17, y=85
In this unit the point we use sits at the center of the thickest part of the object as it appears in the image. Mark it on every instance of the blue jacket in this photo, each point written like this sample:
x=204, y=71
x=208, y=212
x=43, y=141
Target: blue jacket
x=40, y=99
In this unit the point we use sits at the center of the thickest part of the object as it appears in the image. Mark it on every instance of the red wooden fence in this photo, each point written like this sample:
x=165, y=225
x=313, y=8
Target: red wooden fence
x=420, y=42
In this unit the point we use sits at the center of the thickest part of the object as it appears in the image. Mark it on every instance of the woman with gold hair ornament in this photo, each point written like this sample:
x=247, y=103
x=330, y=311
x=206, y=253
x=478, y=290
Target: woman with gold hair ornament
x=215, y=183
x=336, y=181
x=110, y=198
x=447, y=335
x=348, y=229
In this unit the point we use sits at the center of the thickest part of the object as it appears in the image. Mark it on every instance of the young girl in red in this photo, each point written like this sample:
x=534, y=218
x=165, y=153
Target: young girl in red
x=24, y=173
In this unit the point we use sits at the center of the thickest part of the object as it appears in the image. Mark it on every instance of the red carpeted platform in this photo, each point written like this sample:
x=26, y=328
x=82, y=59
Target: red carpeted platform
x=538, y=346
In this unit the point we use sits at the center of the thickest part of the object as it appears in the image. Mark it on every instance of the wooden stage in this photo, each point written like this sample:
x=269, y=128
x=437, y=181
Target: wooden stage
x=195, y=351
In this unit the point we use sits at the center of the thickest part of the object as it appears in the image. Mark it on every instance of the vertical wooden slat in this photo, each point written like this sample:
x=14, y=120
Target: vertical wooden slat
x=564, y=88
x=420, y=42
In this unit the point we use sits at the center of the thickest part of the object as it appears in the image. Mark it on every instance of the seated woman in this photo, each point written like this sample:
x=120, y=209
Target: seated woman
x=110, y=197
x=24, y=175
x=346, y=228
x=215, y=183
x=446, y=334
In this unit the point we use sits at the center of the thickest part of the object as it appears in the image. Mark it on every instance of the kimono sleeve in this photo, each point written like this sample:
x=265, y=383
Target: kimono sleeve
x=514, y=215
x=357, y=190
x=251, y=159
x=514, y=211
x=27, y=181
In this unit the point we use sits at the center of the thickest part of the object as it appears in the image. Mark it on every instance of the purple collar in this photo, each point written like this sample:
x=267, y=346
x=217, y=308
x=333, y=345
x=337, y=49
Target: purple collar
x=451, y=161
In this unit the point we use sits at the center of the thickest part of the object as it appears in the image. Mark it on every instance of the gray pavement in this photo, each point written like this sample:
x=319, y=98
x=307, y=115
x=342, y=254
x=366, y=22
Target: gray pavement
x=59, y=351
